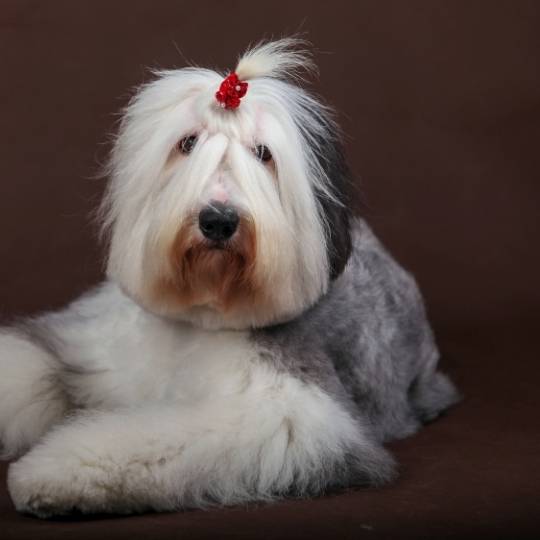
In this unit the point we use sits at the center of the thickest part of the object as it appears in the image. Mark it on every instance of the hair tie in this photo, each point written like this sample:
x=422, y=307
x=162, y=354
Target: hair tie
x=231, y=91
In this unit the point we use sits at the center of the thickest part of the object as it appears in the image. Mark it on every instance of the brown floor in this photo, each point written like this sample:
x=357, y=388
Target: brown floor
x=441, y=104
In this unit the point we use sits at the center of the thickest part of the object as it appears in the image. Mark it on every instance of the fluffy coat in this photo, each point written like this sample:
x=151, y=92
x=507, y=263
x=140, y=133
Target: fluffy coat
x=286, y=379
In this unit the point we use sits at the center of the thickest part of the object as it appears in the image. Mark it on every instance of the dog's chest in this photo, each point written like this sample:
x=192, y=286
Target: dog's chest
x=157, y=361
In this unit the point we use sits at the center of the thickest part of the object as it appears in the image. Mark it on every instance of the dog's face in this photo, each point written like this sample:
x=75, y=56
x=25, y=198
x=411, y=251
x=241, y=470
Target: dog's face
x=227, y=218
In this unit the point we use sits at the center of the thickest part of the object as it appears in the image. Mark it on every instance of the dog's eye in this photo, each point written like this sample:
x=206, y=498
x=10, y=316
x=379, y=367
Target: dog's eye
x=262, y=153
x=187, y=144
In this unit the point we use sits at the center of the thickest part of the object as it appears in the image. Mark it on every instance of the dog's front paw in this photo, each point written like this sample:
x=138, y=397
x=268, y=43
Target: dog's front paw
x=53, y=486
x=36, y=493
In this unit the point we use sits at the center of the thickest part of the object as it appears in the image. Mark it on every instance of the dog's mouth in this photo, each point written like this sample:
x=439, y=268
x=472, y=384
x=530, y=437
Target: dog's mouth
x=219, y=271
x=218, y=245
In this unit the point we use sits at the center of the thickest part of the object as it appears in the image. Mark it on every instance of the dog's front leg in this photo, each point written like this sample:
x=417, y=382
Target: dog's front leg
x=293, y=439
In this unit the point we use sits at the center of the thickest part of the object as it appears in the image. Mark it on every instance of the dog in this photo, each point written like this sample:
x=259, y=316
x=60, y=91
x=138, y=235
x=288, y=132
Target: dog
x=252, y=339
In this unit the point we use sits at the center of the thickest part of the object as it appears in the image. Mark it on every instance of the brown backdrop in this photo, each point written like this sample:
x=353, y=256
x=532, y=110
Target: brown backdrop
x=441, y=104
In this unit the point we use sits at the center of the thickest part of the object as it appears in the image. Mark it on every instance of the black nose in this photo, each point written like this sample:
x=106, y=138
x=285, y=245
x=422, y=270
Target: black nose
x=218, y=221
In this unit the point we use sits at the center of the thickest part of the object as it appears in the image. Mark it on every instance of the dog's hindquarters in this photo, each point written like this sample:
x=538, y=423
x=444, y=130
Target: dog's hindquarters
x=431, y=393
x=31, y=396
x=372, y=330
x=392, y=368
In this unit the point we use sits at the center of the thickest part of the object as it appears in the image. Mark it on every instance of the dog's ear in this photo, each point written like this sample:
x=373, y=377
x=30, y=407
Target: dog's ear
x=336, y=210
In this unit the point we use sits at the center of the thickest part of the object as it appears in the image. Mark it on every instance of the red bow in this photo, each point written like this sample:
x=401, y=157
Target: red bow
x=231, y=91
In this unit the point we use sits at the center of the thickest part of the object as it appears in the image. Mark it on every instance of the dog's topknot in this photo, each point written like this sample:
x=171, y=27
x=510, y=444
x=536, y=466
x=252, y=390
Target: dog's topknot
x=286, y=58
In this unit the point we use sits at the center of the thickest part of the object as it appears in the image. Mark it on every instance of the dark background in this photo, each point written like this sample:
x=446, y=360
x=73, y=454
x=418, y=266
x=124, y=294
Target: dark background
x=440, y=101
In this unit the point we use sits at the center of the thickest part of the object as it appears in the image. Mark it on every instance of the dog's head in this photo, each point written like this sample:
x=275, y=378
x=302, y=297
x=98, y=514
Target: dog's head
x=226, y=207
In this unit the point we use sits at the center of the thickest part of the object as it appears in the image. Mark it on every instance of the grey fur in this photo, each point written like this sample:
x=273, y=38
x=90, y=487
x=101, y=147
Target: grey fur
x=368, y=343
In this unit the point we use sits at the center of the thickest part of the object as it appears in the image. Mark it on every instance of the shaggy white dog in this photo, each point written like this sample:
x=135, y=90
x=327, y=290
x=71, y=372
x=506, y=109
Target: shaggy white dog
x=252, y=339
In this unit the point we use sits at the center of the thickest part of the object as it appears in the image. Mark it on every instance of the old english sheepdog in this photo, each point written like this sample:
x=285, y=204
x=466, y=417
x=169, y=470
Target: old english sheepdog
x=252, y=339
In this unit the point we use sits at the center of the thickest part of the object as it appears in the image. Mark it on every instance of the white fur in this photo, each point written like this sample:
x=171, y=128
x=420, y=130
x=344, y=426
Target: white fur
x=31, y=398
x=178, y=417
x=284, y=59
